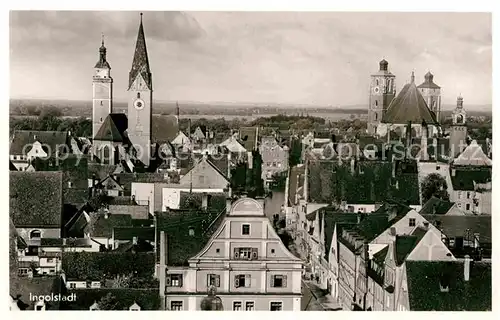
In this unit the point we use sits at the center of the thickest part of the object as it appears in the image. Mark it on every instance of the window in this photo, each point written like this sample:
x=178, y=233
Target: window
x=70, y=184
x=249, y=306
x=276, y=306
x=174, y=280
x=176, y=305
x=459, y=195
x=50, y=260
x=376, y=105
x=237, y=306
x=35, y=234
x=101, y=119
x=467, y=206
x=412, y=222
x=376, y=81
x=246, y=253
x=213, y=280
x=278, y=281
x=242, y=281
x=217, y=250
x=376, y=116
x=272, y=250
x=452, y=242
x=138, y=95
x=468, y=195
x=72, y=285
x=245, y=229
x=201, y=179
x=101, y=102
x=460, y=205
x=22, y=271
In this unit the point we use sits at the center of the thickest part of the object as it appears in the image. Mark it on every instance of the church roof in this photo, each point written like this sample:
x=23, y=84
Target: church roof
x=409, y=105
x=140, y=64
x=102, y=63
x=113, y=128
x=24, y=138
x=429, y=82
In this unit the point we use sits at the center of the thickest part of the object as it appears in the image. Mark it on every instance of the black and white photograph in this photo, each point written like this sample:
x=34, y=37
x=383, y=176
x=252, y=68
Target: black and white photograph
x=250, y=160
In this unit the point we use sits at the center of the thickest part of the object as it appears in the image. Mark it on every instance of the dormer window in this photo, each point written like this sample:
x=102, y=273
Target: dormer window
x=35, y=234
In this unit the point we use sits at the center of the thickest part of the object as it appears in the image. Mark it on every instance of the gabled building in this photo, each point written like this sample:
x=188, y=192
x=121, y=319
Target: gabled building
x=26, y=145
x=274, y=158
x=244, y=264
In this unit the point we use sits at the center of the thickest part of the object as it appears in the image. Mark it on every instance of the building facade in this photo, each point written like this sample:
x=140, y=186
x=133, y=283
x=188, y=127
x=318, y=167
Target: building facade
x=244, y=263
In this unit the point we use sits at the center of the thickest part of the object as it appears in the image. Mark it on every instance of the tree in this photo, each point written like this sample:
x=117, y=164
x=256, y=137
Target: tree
x=434, y=185
x=108, y=302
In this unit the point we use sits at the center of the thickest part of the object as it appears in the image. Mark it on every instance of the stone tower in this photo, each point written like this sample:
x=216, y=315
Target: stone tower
x=102, y=91
x=382, y=91
x=458, y=131
x=140, y=100
x=431, y=93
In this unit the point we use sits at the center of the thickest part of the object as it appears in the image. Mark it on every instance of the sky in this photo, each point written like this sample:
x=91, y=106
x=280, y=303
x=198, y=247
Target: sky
x=306, y=58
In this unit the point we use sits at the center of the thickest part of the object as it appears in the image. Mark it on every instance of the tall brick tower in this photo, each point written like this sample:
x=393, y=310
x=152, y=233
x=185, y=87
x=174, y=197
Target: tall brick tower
x=382, y=91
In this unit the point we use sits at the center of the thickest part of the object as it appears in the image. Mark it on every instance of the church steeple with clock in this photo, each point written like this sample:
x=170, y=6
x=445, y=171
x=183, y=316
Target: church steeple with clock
x=140, y=100
x=382, y=91
x=102, y=91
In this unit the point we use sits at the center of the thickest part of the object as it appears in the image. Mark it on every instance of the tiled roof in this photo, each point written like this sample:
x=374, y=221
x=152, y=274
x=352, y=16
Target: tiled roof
x=403, y=246
x=51, y=139
x=36, y=199
x=140, y=64
x=26, y=288
x=472, y=295
x=100, y=171
x=164, y=128
x=473, y=155
x=128, y=233
x=371, y=182
x=409, y=105
x=176, y=224
x=464, y=179
x=113, y=128
x=331, y=218
x=248, y=137
x=436, y=206
x=457, y=226
x=102, y=227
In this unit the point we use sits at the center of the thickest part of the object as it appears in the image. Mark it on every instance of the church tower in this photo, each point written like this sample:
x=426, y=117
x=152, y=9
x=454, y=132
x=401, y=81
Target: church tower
x=140, y=100
x=431, y=93
x=458, y=131
x=102, y=91
x=382, y=91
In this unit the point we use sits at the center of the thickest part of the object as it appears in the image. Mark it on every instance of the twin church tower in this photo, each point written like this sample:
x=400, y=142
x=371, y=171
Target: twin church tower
x=109, y=132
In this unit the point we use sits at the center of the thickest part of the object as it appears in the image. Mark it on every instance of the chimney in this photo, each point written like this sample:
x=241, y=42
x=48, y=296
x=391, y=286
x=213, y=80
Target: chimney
x=467, y=268
x=352, y=165
x=162, y=266
x=134, y=240
x=228, y=205
x=477, y=244
x=426, y=225
x=106, y=213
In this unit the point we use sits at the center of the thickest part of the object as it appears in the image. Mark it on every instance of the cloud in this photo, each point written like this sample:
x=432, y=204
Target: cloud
x=295, y=57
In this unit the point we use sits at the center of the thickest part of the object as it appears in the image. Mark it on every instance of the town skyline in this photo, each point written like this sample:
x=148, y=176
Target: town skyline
x=243, y=57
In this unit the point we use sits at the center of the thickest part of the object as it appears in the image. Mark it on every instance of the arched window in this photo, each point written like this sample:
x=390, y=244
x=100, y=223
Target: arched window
x=35, y=234
x=376, y=116
x=376, y=103
x=376, y=81
x=138, y=95
x=105, y=154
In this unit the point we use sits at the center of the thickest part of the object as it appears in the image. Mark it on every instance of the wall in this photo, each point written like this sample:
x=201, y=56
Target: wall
x=144, y=192
x=137, y=212
x=261, y=303
x=45, y=232
x=172, y=196
x=431, y=248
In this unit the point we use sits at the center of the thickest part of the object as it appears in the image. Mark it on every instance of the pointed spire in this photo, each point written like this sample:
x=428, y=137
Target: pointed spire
x=140, y=64
x=102, y=63
x=412, y=77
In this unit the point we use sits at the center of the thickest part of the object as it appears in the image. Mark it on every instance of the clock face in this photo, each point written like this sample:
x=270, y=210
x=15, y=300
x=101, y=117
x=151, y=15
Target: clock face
x=376, y=89
x=139, y=104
